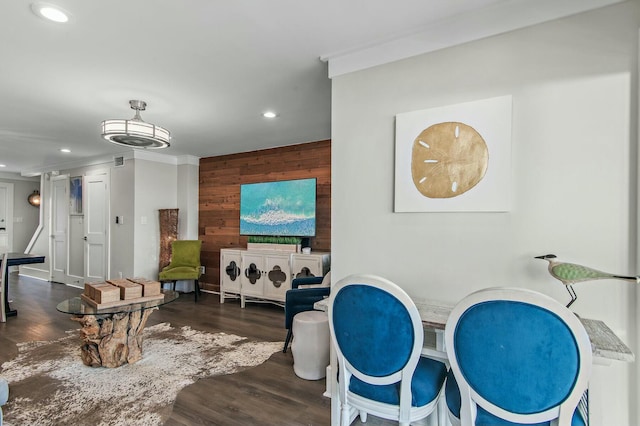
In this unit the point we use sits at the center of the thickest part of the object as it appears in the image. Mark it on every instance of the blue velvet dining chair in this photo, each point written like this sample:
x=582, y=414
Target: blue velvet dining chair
x=4, y=395
x=517, y=357
x=378, y=336
x=304, y=293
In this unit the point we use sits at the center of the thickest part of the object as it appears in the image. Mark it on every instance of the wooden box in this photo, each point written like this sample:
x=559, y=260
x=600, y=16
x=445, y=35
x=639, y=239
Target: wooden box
x=103, y=293
x=88, y=290
x=149, y=287
x=128, y=289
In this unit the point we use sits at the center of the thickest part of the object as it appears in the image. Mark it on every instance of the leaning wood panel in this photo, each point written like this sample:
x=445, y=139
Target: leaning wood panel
x=219, y=200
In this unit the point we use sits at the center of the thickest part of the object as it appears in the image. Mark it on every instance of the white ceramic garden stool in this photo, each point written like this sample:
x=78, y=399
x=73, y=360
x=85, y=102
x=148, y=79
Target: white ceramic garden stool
x=310, y=346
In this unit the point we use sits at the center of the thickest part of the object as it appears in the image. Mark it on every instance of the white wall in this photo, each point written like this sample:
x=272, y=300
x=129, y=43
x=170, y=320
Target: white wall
x=188, y=193
x=25, y=216
x=573, y=83
x=137, y=191
x=40, y=239
x=122, y=234
x=155, y=188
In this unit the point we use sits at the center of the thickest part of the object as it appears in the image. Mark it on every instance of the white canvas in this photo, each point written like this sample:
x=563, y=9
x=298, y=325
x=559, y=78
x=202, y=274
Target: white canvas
x=491, y=118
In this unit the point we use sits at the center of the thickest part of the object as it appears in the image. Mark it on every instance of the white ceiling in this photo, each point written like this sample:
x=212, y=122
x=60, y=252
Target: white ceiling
x=208, y=69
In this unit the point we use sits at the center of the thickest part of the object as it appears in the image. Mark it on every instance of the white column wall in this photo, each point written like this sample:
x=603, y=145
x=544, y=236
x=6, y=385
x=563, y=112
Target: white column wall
x=123, y=195
x=155, y=189
x=188, y=192
x=573, y=185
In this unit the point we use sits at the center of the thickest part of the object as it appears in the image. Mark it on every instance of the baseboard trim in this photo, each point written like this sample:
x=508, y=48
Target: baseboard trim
x=31, y=272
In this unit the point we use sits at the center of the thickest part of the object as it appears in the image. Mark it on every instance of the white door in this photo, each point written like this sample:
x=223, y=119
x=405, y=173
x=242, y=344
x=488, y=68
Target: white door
x=59, y=228
x=6, y=217
x=96, y=220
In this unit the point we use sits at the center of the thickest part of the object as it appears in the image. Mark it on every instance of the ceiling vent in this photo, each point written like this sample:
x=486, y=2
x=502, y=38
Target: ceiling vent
x=118, y=161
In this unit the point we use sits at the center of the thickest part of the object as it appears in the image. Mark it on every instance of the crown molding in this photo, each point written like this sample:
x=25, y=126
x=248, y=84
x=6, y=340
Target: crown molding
x=190, y=160
x=497, y=19
x=17, y=176
x=109, y=158
x=143, y=154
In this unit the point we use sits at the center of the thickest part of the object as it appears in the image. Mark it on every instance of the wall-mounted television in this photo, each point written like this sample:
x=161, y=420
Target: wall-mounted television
x=281, y=208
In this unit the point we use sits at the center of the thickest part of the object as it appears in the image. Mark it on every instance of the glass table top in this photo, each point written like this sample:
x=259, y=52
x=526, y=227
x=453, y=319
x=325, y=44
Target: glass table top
x=77, y=306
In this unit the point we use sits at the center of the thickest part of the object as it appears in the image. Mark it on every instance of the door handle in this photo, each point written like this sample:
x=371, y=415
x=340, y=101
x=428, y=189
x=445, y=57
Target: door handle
x=84, y=238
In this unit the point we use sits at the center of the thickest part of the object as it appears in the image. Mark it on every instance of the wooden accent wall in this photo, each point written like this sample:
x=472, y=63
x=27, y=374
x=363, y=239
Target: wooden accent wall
x=219, y=199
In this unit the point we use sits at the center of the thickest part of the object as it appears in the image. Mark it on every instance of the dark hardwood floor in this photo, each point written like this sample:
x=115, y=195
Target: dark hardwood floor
x=270, y=394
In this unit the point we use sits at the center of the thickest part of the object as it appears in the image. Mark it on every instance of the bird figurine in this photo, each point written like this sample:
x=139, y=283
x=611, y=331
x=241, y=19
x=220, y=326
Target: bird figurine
x=571, y=273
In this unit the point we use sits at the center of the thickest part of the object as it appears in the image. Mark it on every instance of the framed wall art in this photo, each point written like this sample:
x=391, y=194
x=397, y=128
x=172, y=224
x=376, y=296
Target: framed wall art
x=75, y=195
x=454, y=158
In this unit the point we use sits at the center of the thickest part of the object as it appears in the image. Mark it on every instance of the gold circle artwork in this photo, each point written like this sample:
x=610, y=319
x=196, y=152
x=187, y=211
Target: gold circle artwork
x=448, y=159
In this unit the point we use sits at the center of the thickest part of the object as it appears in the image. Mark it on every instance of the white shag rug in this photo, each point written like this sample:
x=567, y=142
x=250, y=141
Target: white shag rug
x=49, y=384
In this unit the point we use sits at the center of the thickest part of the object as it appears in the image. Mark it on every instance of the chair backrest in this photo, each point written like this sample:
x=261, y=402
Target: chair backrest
x=3, y=278
x=377, y=332
x=520, y=355
x=185, y=253
x=326, y=280
x=315, y=282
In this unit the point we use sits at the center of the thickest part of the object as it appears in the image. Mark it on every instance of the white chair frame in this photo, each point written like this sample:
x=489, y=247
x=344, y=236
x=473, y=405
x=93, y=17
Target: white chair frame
x=403, y=413
x=560, y=415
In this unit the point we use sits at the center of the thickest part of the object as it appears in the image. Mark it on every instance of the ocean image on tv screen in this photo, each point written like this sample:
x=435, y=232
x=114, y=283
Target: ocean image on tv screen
x=284, y=208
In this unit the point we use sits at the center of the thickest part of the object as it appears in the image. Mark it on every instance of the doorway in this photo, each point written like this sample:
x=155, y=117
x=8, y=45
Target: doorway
x=79, y=221
x=6, y=217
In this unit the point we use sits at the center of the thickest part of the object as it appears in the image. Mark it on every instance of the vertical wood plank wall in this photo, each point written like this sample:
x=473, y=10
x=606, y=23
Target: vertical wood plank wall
x=219, y=198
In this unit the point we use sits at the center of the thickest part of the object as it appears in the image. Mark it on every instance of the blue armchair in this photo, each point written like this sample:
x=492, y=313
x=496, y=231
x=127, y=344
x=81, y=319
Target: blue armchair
x=4, y=395
x=302, y=299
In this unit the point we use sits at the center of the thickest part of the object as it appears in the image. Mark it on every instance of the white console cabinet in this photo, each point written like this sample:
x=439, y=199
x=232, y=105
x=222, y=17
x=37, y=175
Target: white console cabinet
x=266, y=275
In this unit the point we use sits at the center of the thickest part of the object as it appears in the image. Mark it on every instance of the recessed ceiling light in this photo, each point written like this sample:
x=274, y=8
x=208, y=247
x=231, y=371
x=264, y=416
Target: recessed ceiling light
x=65, y=150
x=50, y=12
x=269, y=114
x=3, y=165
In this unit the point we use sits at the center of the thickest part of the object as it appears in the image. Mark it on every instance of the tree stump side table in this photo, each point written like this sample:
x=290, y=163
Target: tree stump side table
x=112, y=337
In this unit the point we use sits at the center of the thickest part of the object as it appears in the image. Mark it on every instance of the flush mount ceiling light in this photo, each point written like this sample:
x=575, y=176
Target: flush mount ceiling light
x=269, y=114
x=50, y=12
x=136, y=133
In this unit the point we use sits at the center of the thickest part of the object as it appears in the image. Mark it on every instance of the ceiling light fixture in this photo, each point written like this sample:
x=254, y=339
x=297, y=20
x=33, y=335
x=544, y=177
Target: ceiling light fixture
x=269, y=114
x=136, y=133
x=3, y=165
x=50, y=12
x=65, y=150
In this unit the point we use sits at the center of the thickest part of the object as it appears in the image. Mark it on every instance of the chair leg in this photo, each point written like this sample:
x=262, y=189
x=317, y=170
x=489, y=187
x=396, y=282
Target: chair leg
x=196, y=290
x=441, y=408
x=173, y=285
x=345, y=415
x=286, y=341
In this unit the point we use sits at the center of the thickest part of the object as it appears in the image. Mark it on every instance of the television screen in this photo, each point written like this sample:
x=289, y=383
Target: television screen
x=282, y=208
